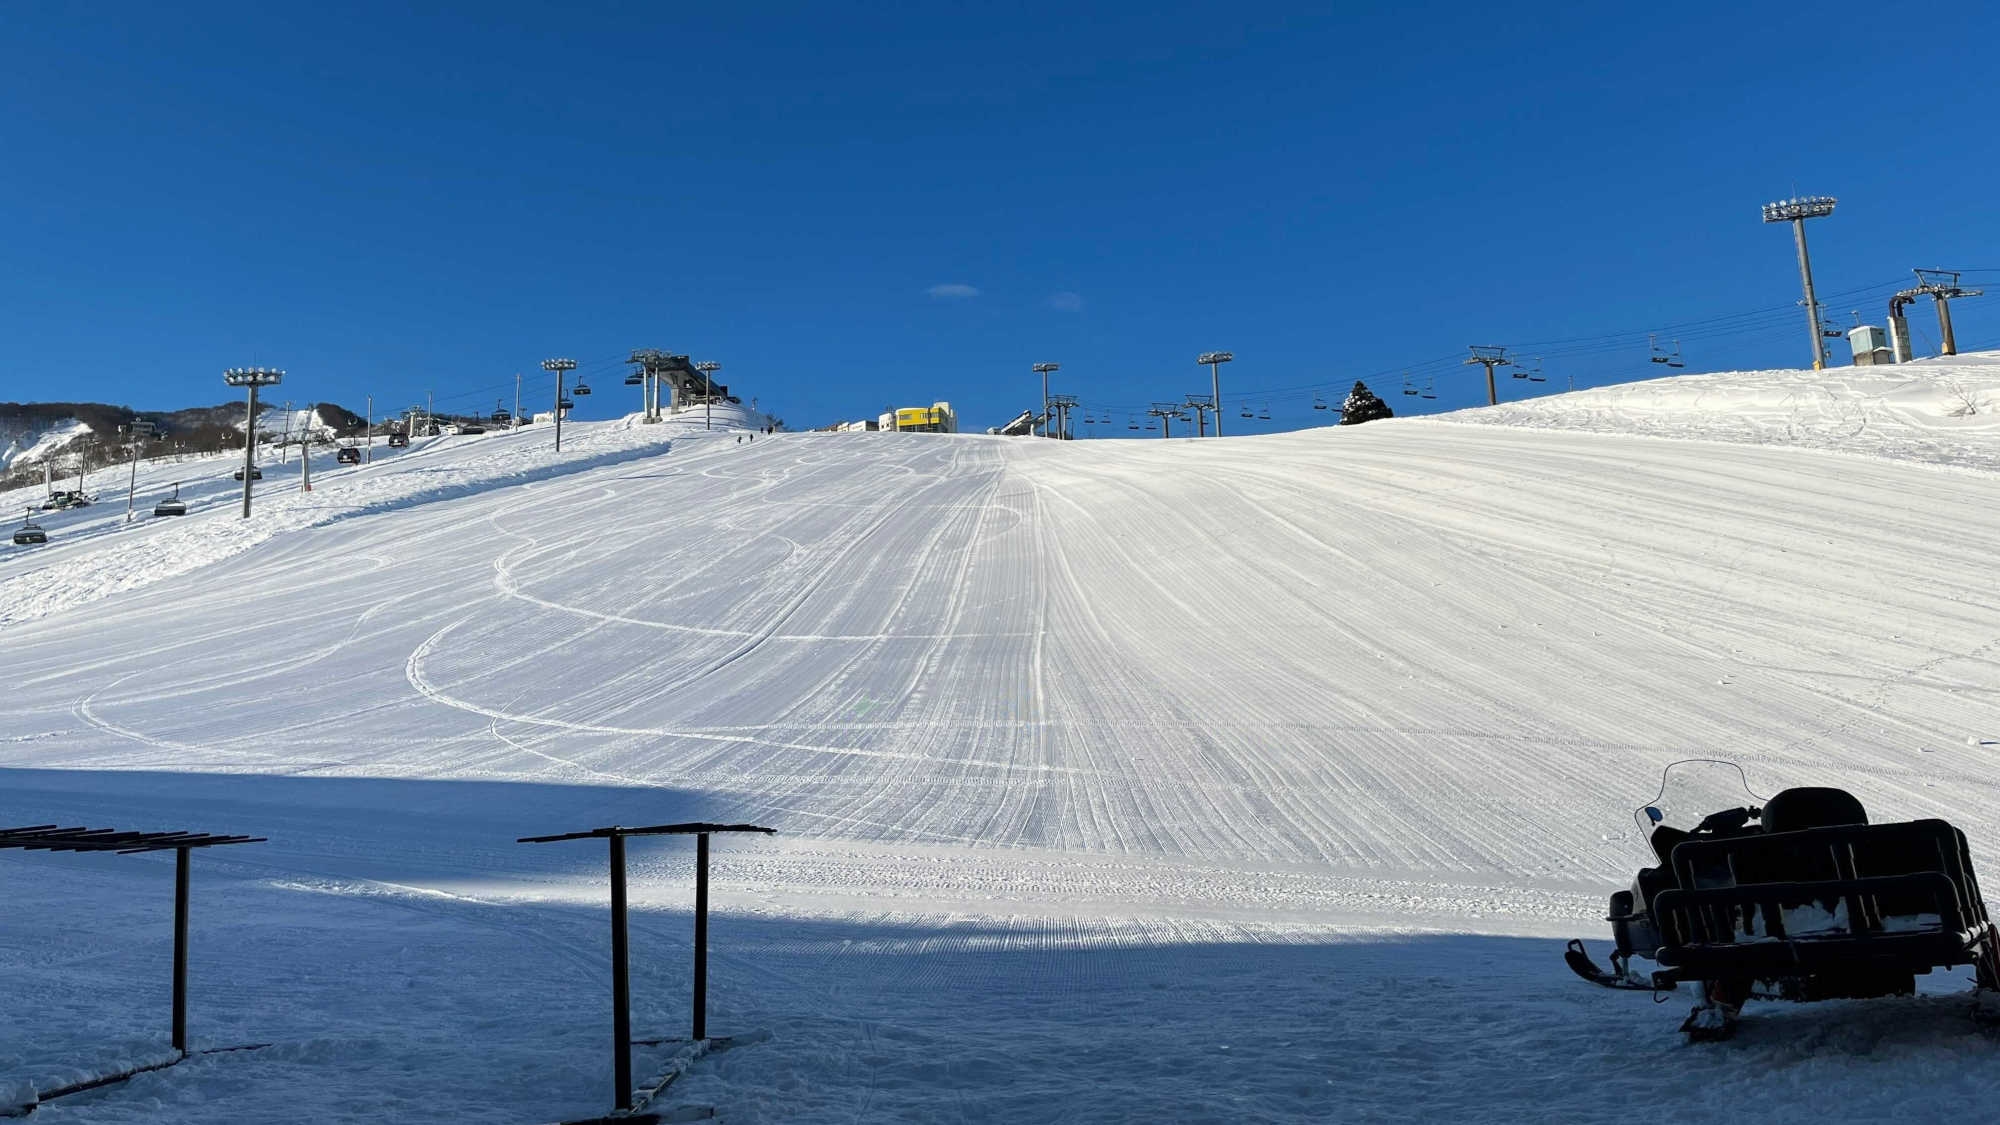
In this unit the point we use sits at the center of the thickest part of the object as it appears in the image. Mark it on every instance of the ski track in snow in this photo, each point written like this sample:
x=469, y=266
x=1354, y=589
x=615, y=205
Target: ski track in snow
x=1242, y=780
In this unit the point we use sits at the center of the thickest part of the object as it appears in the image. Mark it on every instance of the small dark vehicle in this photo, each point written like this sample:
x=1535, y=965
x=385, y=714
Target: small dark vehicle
x=348, y=455
x=399, y=440
x=1795, y=898
x=255, y=474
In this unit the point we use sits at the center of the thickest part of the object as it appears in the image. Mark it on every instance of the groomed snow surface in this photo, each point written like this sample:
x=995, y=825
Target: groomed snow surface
x=1236, y=781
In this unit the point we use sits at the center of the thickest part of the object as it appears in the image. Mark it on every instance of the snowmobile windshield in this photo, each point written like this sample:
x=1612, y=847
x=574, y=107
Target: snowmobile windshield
x=1690, y=792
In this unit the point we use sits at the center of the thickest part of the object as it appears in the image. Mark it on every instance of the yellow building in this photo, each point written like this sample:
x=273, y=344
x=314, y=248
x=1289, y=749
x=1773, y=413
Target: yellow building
x=936, y=418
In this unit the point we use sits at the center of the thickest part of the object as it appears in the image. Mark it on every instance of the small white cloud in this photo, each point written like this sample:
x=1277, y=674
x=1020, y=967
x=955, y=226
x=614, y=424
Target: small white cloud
x=1066, y=302
x=952, y=291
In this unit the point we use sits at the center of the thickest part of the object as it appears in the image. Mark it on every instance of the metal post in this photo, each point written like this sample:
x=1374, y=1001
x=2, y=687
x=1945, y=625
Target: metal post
x=621, y=981
x=132, y=486
x=1812, y=302
x=517, y=401
x=180, y=948
x=1899, y=330
x=249, y=450
x=701, y=936
x=1949, y=345
x=306, y=462
x=1215, y=394
x=559, y=411
x=368, y=430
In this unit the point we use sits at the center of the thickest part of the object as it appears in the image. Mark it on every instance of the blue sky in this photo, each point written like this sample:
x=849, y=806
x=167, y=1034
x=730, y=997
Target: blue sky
x=853, y=207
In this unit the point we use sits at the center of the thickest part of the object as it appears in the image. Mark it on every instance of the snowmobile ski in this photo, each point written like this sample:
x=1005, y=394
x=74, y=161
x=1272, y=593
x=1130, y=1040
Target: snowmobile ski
x=1578, y=959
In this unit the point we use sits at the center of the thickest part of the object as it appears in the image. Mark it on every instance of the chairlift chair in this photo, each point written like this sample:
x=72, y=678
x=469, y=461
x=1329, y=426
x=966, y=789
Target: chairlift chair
x=564, y=404
x=500, y=414
x=1659, y=353
x=1675, y=359
x=635, y=380
x=255, y=474
x=348, y=455
x=1430, y=387
x=1318, y=402
x=30, y=532
x=1409, y=388
x=1264, y=415
x=1247, y=413
x=581, y=388
x=1131, y=423
x=172, y=505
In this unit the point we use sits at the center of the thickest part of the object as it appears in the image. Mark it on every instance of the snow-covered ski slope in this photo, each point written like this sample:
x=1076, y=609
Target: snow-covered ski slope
x=1239, y=780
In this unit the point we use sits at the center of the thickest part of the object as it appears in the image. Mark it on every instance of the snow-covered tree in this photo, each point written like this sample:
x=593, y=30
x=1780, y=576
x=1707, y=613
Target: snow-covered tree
x=1363, y=406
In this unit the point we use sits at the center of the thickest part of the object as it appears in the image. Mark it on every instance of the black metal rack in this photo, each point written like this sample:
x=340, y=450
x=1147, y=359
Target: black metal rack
x=621, y=996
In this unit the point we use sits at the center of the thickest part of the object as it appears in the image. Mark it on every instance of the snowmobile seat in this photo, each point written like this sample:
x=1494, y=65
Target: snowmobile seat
x=1812, y=807
x=1843, y=899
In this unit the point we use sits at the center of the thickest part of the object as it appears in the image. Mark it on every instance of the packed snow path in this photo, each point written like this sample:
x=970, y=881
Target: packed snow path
x=1097, y=755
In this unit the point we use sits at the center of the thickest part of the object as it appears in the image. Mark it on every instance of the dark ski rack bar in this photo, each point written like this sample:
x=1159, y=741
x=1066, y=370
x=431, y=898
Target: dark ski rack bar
x=54, y=838
x=621, y=990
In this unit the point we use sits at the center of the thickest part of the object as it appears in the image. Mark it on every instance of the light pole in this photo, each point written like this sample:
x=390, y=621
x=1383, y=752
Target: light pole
x=708, y=369
x=1796, y=212
x=559, y=366
x=135, y=436
x=1044, y=369
x=253, y=378
x=1214, y=362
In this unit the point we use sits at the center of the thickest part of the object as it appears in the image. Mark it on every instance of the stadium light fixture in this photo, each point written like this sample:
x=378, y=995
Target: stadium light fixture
x=253, y=378
x=1043, y=369
x=1214, y=361
x=1796, y=211
x=559, y=367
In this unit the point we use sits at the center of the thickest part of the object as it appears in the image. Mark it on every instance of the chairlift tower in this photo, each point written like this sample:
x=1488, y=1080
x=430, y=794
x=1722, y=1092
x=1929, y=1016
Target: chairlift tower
x=1202, y=407
x=253, y=378
x=1062, y=405
x=1214, y=361
x=1490, y=356
x=1043, y=370
x=560, y=367
x=1796, y=211
x=1942, y=286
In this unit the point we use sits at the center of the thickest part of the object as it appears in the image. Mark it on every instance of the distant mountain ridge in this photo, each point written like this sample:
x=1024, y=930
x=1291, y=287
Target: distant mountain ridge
x=31, y=433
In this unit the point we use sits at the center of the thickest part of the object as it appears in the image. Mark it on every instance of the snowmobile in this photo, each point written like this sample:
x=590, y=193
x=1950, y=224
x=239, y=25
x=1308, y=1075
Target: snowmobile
x=1794, y=898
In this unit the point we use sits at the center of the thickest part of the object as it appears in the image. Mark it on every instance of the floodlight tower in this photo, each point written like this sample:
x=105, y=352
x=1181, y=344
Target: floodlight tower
x=560, y=367
x=707, y=369
x=1214, y=361
x=1490, y=357
x=1796, y=211
x=253, y=378
x=135, y=436
x=1043, y=369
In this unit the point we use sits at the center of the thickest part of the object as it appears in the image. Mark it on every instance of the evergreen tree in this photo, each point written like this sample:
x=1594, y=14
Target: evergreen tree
x=1362, y=406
